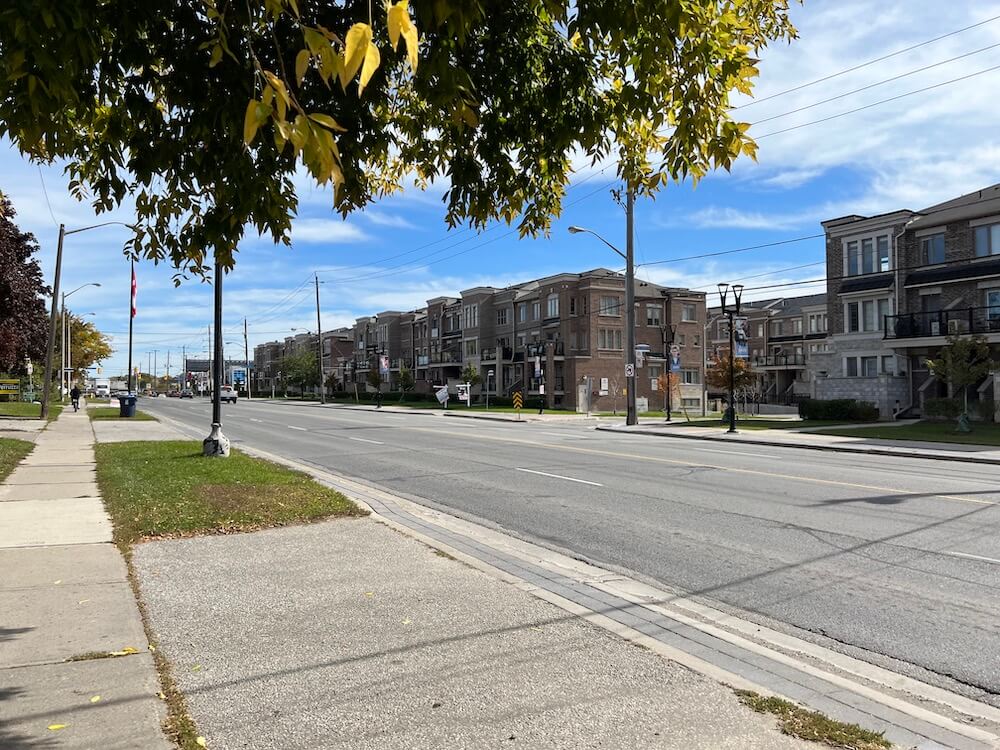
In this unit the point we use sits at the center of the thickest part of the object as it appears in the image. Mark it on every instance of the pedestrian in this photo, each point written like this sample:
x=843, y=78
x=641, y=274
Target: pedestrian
x=74, y=396
x=378, y=399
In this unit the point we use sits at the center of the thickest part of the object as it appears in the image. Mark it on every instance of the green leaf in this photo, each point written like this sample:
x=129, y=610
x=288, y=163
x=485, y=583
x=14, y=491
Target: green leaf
x=250, y=123
x=327, y=122
x=301, y=65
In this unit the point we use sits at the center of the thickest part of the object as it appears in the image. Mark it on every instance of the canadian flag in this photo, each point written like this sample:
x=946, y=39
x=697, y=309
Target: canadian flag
x=133, y=290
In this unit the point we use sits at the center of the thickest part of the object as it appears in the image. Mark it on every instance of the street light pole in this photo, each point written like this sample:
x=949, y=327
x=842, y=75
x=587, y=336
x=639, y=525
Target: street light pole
x=731, y=313
x=319, y=345
x=217, y=444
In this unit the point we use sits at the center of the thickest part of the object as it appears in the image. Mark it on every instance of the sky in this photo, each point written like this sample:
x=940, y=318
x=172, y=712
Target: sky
x=813, y=164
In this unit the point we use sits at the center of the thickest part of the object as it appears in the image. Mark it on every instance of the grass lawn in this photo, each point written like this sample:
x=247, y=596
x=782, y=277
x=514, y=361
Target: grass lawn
x=112, y=412
x=758, y=423
x=937, y=432
x=11, y=453
x=167, y=488
x=23, y=409
x=814, y=726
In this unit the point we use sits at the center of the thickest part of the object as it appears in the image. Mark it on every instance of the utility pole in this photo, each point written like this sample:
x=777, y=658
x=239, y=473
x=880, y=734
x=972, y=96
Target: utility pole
x=168, y=368
x=246, y=356
x=319, y=344
x=184, y=361
x=217, y=444
x=62, y=353
x=630, y=379
x=52, y=325
x=155, y=370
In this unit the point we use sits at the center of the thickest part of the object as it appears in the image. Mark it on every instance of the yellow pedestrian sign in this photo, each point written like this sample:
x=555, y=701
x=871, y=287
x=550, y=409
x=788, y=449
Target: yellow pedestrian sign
x=518, y=402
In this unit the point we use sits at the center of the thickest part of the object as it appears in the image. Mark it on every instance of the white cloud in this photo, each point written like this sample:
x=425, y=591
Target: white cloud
x=382, y=219
x=715, y=217
x=326, y=230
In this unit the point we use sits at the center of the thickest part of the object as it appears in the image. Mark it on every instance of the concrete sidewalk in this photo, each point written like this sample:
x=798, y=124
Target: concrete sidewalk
x=527, y=415
x=64, y=593
x=981, y=454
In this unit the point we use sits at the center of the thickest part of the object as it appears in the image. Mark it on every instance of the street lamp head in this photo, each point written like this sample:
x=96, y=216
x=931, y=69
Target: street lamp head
x=576, y=230
x=723, y=291
x=737, y=293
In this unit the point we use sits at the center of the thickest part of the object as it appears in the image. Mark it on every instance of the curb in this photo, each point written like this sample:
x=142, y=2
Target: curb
x=828, y=448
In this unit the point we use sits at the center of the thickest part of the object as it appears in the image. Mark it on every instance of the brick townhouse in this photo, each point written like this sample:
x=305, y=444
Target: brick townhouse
x=784, y=335
x=898, y=284
x=338, y=349
x=571, y=326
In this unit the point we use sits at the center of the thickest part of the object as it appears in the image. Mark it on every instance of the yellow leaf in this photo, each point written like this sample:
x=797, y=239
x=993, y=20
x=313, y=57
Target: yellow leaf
x=250, y=122
x=57, y=582
x=200, y=742
x=372, y=60
x=396, y=15
x=95, y=698
x=369, y=593
x=359, y=37
x=412, y=42
x=327, y=122
x=301, y=65
x=196, y=668
x=57, y=727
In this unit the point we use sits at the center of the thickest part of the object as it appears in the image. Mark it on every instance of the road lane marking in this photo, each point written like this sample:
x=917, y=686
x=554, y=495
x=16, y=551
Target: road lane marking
x=366, y=440
x=734, y=453
x=974, y=557
x=558, y=476
x=293, y=427
x=254, y=420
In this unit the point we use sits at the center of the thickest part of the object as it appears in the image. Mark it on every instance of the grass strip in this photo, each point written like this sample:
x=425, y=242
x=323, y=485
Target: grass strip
x=933, y=432
x=25, y=409
x=167, y=489
x=11, y=453
x=812, y=725
x=114, y=412
x=754, y=423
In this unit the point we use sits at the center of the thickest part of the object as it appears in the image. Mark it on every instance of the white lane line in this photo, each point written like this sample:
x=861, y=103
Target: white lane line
x=293, y=427
x=559, y=476
x=254, y=420
x=973, y=557
x=366, y=440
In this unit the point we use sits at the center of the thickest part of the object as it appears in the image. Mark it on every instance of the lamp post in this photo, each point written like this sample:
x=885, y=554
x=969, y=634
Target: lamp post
x=670, y=328
x=50, y=347
x=630, y=375
x=64, y=377
x=489, y=374
x=730, y=313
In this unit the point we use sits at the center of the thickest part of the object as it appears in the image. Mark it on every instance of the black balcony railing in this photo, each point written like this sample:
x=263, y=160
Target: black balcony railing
x=962, y=320
x=446, y=358
x=780, y=360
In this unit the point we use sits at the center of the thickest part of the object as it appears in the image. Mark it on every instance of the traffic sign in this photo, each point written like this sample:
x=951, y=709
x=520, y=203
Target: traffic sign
x=629, y=370
x=518, y=400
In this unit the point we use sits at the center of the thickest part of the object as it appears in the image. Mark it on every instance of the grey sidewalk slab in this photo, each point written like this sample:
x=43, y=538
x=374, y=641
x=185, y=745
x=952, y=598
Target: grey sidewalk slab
x=348, y=634
x=70, y=564
x=60, y=475
x=45, y=491
x=111, y=431
x=104, y=618
x=35, y=523
x=128, y=715
x=60, y=458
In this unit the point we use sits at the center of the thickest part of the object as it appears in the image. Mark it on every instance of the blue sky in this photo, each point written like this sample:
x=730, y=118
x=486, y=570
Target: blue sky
x=908, y=153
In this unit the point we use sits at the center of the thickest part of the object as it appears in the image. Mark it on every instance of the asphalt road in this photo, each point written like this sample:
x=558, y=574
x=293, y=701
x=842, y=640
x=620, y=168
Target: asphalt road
x=892, y=559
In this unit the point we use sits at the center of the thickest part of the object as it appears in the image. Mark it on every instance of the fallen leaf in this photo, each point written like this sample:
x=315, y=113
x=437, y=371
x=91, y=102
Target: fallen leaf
x=57, y=727
x=83, y=601
x=124, y=652
x=95, y=698
x=369, y=594
x=161, y=695
x=196, y=668
x=152, y=647
x=200, y=742
x=57, y=583
x=406, y=621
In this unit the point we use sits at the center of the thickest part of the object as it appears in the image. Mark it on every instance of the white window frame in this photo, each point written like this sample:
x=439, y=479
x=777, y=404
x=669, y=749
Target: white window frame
x=471, y=316
x=689, y=312
x=610, y=306
x=992, y=234
x=552, y=306
x=878, y=241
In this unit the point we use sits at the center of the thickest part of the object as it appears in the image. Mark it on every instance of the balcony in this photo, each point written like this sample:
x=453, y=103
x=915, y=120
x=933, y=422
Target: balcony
x=962, y=320
x=781, y=361
x=446, y=358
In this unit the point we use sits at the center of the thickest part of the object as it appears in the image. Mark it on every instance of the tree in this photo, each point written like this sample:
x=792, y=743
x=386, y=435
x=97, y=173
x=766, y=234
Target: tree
x=202, y=111
x=963, y=362
x=23, y=320
x=87, y=345
x=405, y=381
x=470, y=375
x=375, y=378
x=669, y=380
x=300, y=370
x=717, y=374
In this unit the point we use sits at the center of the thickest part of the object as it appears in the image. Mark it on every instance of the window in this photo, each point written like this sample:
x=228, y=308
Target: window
x=610, y=306
x=654, y=315
x=471, y=316
x=688, y=312
x=888, y=365
x=777, y=327
x=851, y=367
x=932, y=249
x=471, y=347
x=867, y=255
x=572, y=305
x=502, y=316
x=521, y=340
x=522, y=312
x=680, y=339
x=988, y=240
x=760, y=330
x=690, y=377
x=654, y=376
x=696, y=340
x=993, y=304
x=817, y=323
x=866, y=315
x=583, y=305
x=869, y=367
x=609, y=338
x=552, y=306
x=690, y=402
x=536, y=310
x=797, y=325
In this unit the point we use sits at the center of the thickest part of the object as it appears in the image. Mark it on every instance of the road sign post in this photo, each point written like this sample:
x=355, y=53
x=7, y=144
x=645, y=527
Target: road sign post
x=518, y=404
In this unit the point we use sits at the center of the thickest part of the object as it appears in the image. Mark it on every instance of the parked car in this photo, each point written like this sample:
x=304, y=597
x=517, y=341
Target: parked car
x=187, y=393
x=173, y=394
x=226, y=393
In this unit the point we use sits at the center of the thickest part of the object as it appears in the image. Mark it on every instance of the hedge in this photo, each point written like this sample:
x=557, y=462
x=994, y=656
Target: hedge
x=847, y=409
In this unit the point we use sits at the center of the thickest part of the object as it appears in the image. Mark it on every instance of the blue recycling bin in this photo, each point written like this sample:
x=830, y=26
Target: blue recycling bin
x=126, y=406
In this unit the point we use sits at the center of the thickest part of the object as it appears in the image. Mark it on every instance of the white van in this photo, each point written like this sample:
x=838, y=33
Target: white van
x=102, y=388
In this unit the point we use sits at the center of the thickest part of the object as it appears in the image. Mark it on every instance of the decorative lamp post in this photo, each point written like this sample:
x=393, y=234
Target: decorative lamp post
x=730, y=313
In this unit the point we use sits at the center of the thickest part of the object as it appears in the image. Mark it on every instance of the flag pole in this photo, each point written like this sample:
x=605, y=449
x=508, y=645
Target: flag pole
x=131, y=317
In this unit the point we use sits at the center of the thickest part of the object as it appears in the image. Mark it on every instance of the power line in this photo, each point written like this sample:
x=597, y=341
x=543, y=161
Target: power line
x=735, y=250
x=769, y=273
x=864, y=64
x=877, y=83
x=46, y=193
x=875, y=104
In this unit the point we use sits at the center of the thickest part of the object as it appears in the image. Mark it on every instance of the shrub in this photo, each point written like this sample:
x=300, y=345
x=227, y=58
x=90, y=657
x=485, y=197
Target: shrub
x=942, y=408
x=847, y=409
x=985, y=409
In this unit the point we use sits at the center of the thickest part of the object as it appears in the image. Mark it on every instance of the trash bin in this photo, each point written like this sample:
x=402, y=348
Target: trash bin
x=126, y=406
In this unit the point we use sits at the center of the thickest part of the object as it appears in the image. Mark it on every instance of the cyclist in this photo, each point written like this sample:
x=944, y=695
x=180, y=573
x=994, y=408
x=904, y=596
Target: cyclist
x=74, y=396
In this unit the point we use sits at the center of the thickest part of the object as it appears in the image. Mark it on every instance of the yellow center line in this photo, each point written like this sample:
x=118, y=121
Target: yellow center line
x=679, y=462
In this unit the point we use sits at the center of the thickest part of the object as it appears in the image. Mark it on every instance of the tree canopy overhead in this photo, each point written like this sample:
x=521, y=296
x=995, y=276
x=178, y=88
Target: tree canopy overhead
x=23, y=322
x=204, y=110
